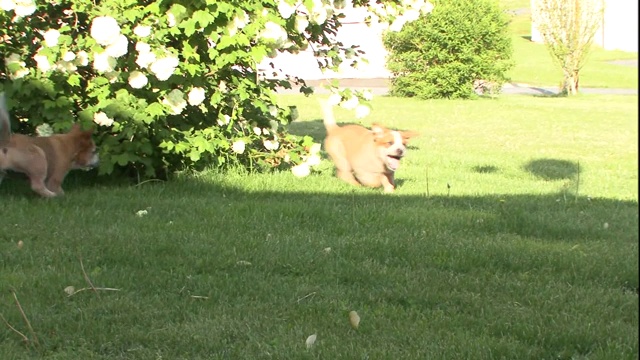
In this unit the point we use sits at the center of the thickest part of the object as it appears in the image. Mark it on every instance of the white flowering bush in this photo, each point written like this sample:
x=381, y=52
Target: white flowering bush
x=169, y=85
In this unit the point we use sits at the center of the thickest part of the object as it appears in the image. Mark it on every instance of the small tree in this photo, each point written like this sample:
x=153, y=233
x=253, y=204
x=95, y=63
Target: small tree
x=449, y=53
x=568, y=28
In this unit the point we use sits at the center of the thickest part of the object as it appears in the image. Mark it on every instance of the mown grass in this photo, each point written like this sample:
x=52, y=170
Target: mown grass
x=534, y=65
x=513, y=234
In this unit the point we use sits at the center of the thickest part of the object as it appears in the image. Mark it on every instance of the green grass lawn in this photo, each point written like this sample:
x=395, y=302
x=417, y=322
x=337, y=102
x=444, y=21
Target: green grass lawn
x=513, y=235
x=535, y=66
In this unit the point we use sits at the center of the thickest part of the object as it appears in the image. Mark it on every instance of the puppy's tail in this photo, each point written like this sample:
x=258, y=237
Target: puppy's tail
x=5, y=124
x=327, y=115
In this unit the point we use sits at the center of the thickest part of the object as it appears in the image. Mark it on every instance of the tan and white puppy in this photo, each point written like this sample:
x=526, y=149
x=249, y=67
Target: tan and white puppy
x=362, y=156
x=45, y=160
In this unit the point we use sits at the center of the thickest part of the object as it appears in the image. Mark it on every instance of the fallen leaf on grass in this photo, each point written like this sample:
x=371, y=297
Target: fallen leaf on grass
x=354, y=319
x=70, y=290
x=20, y=244
x=243, y=262
x=310, y=340
x=141, y=213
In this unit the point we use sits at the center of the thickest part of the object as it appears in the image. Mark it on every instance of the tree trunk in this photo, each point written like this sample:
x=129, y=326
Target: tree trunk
x=571, y=82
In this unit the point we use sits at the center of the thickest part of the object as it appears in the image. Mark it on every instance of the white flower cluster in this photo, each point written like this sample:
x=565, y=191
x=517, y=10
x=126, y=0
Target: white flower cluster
x=106, y=32
x=309, y=161
x=164, y=67
x=224, y=119
x=275, y=34
x=145, y=56
x=102, y=119
x=409, y=10
x=353, y=102
x=21, y=8
x=176, y=102
x=238, y=146
x=68, y=62
x=17, y=69
x=238, y=23
x=318, y=14
x=196, y=96
x=137, y=80
x=268, y=144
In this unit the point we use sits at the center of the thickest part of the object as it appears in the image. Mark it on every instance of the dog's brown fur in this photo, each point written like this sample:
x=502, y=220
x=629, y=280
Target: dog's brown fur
x=362, y=156
x=45, y=160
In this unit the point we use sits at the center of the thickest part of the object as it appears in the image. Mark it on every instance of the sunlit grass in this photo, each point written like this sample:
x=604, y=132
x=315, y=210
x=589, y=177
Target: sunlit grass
x=513, y=234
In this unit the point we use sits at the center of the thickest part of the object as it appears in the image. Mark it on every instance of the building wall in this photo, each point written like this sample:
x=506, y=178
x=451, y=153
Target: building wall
x=620, y=25
x=619, y=29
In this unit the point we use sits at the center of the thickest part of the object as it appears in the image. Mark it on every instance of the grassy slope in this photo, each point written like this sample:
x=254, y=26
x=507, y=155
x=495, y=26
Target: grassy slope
x=503, y=264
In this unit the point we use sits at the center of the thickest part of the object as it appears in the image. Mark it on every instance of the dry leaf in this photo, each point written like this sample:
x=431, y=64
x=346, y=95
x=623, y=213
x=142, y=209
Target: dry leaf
x=606, y=225
x=243, y=262
x=354, y=319
x=20, y=244
x=311, y=340
x=327, y=250
x=70, y=290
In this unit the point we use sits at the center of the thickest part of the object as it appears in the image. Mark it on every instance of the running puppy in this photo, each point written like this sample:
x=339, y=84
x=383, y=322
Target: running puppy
x=362, y=156
x=45, y=160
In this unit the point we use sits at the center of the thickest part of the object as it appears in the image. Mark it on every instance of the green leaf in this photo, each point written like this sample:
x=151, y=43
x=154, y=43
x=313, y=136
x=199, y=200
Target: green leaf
x=74, y=80
x=258, y=53
x=155, y=110
x=204, y=18
x=225, y=41
x=189, y=27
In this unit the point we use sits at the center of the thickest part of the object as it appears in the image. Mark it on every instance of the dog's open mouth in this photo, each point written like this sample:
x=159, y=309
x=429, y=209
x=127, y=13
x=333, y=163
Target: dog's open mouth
x=393, y=162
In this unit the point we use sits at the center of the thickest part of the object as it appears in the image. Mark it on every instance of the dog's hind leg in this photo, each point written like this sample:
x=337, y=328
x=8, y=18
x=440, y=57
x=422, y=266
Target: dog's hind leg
x=37, y=185
x=343, y=168
x=54, y=182
x=37, y=171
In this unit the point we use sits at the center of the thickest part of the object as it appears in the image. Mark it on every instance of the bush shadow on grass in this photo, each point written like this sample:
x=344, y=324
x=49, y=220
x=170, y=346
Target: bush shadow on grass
x=550, y=218
x=17, y=184
x=536, y=219
x=553, y=169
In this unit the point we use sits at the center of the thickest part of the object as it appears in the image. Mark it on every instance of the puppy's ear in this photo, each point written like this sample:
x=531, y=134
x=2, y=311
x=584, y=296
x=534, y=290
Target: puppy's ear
x=409, y=134
x=377, y=129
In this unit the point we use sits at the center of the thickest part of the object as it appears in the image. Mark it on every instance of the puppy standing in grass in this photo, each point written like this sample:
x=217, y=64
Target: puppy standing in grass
x=362, y=156
x=45, y=160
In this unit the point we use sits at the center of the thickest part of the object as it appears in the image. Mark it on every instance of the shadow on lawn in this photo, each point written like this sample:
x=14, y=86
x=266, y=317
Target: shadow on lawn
x=551, y=218
x=485, y=169
x=553, y=169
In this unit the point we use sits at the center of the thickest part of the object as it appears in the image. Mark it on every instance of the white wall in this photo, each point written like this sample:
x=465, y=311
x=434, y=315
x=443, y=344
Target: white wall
x=619, y=30
x=620, y=25
x=353, y=32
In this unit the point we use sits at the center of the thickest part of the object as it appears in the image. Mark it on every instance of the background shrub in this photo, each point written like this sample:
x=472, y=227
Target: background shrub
x=460, y=46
